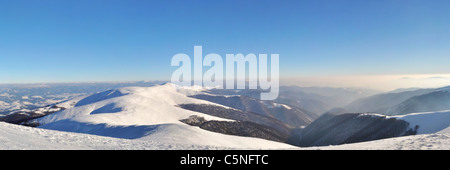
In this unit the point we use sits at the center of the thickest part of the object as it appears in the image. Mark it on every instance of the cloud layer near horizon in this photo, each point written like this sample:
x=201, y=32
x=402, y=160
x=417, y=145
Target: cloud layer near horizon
x=378, y=82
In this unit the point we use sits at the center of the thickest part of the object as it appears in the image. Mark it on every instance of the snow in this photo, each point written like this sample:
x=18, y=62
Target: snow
x=372, y=115
x=275, y=105
x=176, y=133
x=133, y=106
x=435, y=141
x=70, y=103
x=146, y=113
x=2, y=103
x=6, y=95
x=433, y=134
x=148, y=118
x=428, y=122
x=286, y=106
x=37, y=97
x=26, y=103
x=32, y=102
x=16, y=137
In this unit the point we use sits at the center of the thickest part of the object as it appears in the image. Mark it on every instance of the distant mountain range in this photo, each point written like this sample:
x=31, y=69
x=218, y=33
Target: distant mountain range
x=288, y=114
x=316, y=100
x=347, y=128
x=403, y=102
x=166, y=113
x=26, y=97
x=195, y=116
x=313, y=101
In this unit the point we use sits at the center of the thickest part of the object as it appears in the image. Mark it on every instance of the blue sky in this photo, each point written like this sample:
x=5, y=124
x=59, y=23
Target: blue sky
x=119, y=40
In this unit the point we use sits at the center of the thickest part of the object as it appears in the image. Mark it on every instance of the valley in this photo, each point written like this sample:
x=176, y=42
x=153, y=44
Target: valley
x=209, y=118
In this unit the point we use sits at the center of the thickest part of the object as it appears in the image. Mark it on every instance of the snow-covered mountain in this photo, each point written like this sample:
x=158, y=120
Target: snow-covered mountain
x=24, y=98
x=172, y=117
x=347, y=128
x=433, y=133
x=22, y=137
x=317, y=100
x=434, y=101
x=147, y=113
x=427, y=122
x=17, y=137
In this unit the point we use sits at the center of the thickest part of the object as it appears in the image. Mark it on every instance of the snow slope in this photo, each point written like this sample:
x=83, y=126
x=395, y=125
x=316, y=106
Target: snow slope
x=16, y=137
x=20, y=137
x=146, y=113
x=428, y=122
x=131, y=106
x=434, y=141
x=147, y=118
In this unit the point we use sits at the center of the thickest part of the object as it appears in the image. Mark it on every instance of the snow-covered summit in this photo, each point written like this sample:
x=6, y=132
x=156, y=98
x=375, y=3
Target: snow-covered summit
x=148, y=113
x=149, y=118
x=130, y=106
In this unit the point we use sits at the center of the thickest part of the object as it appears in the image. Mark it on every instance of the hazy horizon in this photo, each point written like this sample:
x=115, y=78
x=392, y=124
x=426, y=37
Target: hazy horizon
x=383, y=83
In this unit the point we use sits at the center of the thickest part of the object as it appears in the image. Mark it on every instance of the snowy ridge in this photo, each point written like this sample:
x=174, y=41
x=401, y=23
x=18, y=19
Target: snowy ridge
x=428, y=122
x=418, y=142
x=147, y=113
x=131, y=106
x=149, y=118
x=372, y=114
